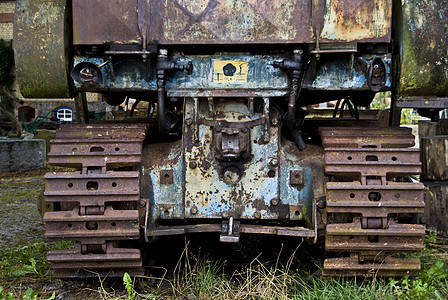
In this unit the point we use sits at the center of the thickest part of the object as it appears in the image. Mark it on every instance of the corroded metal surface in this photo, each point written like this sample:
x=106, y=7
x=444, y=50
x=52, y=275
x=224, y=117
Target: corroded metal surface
x=73, y=263
x=349, y=20
x=364, y=211
x=391, y=267
x=41, y=46
x=424, y=60
x=231, y=162
x=227, y=22
x=244, y=228
x=96, y=207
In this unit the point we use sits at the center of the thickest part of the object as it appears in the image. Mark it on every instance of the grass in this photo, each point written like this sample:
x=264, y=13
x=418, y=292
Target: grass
x=24, y=273
x=195, y=278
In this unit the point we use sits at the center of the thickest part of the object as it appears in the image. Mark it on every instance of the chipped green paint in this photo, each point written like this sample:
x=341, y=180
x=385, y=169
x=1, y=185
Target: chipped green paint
x=424, y=65
x=41, y=47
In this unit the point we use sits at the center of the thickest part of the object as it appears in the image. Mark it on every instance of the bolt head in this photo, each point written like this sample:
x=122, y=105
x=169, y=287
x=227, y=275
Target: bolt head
x=193, y=164
x=274, y=162
x=274, y=122
x=257, y=215
x=321, y=204
x=194, y=210
x=275, y=201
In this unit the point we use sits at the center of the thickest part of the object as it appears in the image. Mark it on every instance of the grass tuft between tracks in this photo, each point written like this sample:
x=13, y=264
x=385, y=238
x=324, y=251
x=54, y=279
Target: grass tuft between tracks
x=199, y=278
x=195, y=278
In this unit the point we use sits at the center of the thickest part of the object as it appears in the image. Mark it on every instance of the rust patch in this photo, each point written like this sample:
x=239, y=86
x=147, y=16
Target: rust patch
x=354, y=20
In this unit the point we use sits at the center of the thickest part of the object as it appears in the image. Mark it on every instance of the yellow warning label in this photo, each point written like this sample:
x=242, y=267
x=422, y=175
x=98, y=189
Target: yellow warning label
x=229, y=71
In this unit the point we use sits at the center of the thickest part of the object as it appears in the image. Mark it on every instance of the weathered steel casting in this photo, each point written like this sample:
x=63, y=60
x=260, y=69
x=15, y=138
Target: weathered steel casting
x=96, y=207
x=372, y=158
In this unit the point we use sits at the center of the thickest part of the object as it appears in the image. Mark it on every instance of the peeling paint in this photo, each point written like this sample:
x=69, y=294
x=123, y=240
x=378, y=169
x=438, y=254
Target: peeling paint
x=350, y=20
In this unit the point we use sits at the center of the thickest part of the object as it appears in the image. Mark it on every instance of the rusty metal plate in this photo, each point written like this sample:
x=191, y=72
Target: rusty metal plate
x=375, y=201
x=92, y=189
x=355, y=243
x=72, y=263
x=361, y=137
x=112, y=225
x=393, y=230
x=391, y=266
x=98, y=145
x=379, y=156
x=166, y=176
x=227, y=22
x=101, y=131
x=351, y=237
x=244, y=228
x=355, y=20
x=41, y=43
x=296, y=178
x=372, y=162
x=98, y=153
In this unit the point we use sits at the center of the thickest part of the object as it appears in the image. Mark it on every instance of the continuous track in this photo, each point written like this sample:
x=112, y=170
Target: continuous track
x=95, y=206
x=372, y=215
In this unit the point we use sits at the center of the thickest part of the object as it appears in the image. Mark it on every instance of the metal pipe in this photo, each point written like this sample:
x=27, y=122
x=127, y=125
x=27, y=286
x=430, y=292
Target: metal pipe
x=164, y=127
x=294, y=68
x=163, y=67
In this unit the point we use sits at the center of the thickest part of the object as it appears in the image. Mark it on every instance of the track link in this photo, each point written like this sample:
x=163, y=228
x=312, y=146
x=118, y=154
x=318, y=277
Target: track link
x=382, y=211
x=96, y=206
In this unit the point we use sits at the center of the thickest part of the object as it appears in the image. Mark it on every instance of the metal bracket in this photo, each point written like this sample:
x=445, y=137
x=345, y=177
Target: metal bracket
x=230, y=231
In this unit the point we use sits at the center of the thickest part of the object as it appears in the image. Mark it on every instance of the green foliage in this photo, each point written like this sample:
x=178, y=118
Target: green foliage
x=6, y=62
x=424, y=286
x=127, y=282
x=4, y=296
x=381, y=101
x=30, y=294
x=431, y=237
x=27, y=262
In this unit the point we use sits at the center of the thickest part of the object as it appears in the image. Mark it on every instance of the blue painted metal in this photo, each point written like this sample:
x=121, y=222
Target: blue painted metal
x=349, y=73
x=199, y=190
x=262, y=79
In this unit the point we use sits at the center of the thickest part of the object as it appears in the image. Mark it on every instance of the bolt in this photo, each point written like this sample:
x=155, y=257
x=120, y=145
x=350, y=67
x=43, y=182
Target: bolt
x=275, y=201
x=225, y=214
x=274, y=162
x=194, y=210
x=193, y=164
x=142, y=203
x=188, y=121
x=274, y=122
x=423, y=219
x=321, y=203
x=257, y=215
x=266, y=138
